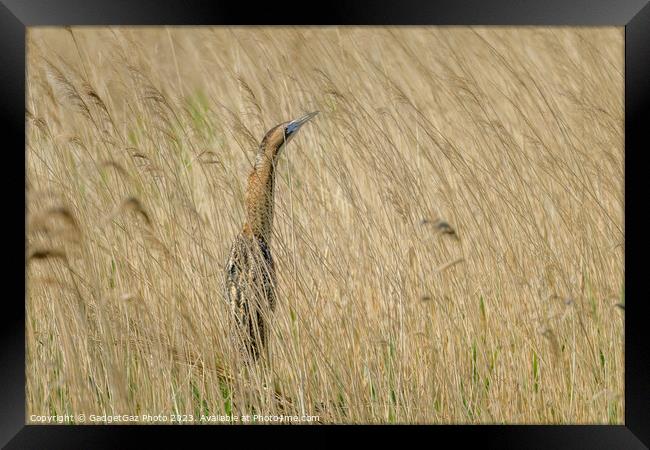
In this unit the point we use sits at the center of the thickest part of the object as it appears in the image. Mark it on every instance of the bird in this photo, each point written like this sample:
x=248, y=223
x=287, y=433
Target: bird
x=250, y=271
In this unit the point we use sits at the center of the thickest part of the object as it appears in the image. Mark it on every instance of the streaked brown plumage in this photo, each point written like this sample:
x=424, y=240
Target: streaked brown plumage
x=250, y=272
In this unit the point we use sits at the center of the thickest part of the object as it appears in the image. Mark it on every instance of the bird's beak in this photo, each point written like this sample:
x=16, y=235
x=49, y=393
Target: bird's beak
x=294, y=125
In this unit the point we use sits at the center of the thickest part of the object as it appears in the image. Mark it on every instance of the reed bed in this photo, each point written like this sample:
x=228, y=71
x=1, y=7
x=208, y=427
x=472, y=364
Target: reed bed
x=449, y=233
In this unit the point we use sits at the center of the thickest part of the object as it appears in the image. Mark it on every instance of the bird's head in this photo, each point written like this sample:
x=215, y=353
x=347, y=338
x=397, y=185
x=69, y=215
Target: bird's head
x=276, y=138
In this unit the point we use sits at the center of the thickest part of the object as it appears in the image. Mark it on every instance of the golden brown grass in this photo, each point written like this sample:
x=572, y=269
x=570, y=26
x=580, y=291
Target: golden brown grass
x=139, y=143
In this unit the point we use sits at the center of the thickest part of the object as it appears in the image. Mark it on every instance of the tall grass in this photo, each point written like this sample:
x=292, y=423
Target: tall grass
x=139, y=141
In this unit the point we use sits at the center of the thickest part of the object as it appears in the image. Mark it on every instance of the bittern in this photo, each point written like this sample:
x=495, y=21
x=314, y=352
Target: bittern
x=250, y=272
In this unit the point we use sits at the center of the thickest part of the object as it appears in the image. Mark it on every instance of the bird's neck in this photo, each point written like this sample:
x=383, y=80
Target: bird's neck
x=259, y=197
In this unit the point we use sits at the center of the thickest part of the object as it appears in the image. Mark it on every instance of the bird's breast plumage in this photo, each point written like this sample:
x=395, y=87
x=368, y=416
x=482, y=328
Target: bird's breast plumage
x=250, y=288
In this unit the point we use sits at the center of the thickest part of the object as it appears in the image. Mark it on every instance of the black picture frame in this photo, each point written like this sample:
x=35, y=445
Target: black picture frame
x=634, y=15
